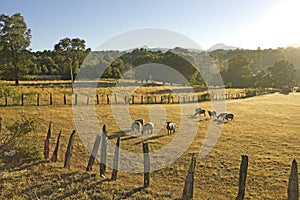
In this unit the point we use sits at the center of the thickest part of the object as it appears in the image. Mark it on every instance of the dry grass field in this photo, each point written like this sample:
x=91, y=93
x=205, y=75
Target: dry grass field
x=266, y=129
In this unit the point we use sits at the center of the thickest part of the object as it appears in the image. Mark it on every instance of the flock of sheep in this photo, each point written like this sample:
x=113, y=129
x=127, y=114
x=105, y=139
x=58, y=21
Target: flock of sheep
x=213, y=114
x=140, y=126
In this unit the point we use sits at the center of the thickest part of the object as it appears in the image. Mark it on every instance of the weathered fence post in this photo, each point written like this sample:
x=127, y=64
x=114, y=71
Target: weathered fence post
x=107, y=99
x=116, y=161
x=116, y=99
x=161, y=99
x=5, y=98
x=55, y=152
x=155, y=101
x=50, y=99
x=49, y=130
x=293, y=187
x=1, y=120
x=146, y=165
x=65, y=99
x=103, y=152
x=38, y=99
x=76, y=99
x=142, y=99
x=242, y=179
x=94, y=153
x=46, y=148
x=22, y=100
x=168, y=99
x=87, y=100
x=97, y=99
x=189, y=182
x=68, y=154
x=132, y=99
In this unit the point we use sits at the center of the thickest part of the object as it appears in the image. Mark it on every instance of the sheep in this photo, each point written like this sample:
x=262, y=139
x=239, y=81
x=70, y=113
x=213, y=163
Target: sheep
x=228, y=116
x=142, y=121
x=222, y=115
x=171, y=127
x=148, y=128
x=212, y=114
x=136, y=125
x=199, y=111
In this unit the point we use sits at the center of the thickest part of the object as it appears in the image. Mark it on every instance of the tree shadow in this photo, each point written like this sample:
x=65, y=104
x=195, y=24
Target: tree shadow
x=132, y=192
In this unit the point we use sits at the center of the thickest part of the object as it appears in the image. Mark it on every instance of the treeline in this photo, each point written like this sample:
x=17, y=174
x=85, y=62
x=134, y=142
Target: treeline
x=237, y=68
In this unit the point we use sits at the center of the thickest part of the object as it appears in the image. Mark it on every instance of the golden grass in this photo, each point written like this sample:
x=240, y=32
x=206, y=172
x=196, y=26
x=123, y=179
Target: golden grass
x=265, y=128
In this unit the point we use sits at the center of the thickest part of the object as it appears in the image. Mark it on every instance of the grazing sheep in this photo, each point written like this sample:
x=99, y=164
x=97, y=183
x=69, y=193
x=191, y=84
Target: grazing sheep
x=229, y=116
x=222, y=115
x=171, y=127
x=212, y=114
x=142, y=121
x=136, y=125
x=199, y=111
x=148, y=128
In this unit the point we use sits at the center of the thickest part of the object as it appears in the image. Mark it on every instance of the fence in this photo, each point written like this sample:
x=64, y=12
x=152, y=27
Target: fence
x=188, y=186
x=97, y=99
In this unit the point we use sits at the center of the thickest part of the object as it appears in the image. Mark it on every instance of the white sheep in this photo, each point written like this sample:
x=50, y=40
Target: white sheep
x=148, y=128
x=171, y=127
x=136, y=125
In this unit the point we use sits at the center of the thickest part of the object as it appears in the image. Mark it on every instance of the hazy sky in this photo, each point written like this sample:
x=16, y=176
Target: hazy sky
x=241, y=23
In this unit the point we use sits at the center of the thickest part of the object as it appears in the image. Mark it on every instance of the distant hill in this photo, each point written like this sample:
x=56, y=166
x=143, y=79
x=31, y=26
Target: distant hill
x=221, y=46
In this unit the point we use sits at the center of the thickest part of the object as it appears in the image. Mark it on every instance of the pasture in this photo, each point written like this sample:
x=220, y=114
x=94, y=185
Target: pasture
x=265, y=128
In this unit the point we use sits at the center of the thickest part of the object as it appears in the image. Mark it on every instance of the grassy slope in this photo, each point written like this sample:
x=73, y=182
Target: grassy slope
x=265, y=129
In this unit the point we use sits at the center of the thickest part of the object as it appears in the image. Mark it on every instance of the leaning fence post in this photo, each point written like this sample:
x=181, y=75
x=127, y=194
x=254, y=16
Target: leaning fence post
x=146, y=165
x=69, y=150
x=189, y=182
x=107, y=99
x=1, y=120
x=97, y=99
x=87, y=100
x=293, y=187
x=103, y=152
x=55, y=152
x=132, y=99
x=94, y=153
x=49, y=130
x=46, y=148
x=22, y=100
x=242, y=179
x=116, y=161
x=5, y=98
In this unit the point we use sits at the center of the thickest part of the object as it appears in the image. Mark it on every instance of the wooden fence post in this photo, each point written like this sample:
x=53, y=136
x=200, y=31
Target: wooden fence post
x=107, y=99
x=116, y=161
x=161, y=99
x=132, y=99
x=46, y=148
x=87, y=100
x=242, y=179
x=49, y=130
x=65, y=99
x=94, y=153
x=155, y=101
x=116, y=99
x=68, y=154
x=38, y=99
x=189, y=182
x=142, y=99
x=103, y=152
x=5, y=98
x=97, y=99
x=76, y=99
x=50, y=99
x=146, y=165
x=1, y=120
x=55, y=152
x=293, y=187
x=22, y=100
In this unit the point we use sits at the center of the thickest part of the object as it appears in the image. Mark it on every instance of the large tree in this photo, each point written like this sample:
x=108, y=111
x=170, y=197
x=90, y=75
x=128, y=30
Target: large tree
x=70, y=54
x=282, y=73
x=14, y=42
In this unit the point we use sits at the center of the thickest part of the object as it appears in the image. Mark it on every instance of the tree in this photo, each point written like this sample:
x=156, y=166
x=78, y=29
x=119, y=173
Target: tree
x=70, y=54
x=14, y=40
x=282, y=73
x=239, y=71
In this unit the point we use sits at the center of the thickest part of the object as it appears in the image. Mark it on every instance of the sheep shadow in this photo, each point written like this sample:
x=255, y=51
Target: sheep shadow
x=132, y=192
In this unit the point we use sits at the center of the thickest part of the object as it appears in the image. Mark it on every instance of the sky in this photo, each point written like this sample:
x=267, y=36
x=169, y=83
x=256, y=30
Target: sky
x=242, y=23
